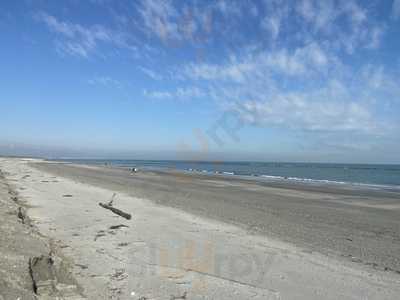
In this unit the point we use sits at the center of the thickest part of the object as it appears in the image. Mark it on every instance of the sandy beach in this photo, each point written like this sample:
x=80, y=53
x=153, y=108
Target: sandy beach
x=203, y=237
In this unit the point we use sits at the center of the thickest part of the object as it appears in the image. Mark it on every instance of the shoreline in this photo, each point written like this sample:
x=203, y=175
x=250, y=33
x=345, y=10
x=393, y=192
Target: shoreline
x=290, y=181
x=274, y=181
x=235, y=174
x=166, y=251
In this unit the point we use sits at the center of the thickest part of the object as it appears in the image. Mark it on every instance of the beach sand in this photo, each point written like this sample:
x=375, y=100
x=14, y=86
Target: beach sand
x=197, y=237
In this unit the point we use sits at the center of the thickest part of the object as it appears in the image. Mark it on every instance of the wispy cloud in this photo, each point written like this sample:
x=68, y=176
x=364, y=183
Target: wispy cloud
x=330, y=99
x=272, y=25
x=239, y=68
x=308, y=89
x=345, y=24
x=295, y=69
x=375, y=36
x=277, y=14
x=106, y=82
x=158, y=94
x=192, y=23
x=160, y=18
x=79, y=40
x=396, y=9
x=181, y=93
x=150, y=73
x=330, y=108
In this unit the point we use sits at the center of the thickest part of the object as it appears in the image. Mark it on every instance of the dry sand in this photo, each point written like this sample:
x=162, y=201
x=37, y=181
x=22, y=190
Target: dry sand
x=353, y=222
x=167, y=253
x=31, y=266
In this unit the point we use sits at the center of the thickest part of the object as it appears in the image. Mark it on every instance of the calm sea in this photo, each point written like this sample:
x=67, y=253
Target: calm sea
x=307, y=172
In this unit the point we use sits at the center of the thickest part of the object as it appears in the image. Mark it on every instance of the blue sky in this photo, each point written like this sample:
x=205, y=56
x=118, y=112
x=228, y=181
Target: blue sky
x=246, y=80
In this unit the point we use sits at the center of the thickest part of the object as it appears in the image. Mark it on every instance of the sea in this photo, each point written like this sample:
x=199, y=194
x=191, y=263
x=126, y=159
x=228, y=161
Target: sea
x=355, y=174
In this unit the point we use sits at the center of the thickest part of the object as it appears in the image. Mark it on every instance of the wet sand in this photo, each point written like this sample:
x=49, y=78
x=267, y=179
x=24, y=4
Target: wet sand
x=355, y=223
x=195, y=237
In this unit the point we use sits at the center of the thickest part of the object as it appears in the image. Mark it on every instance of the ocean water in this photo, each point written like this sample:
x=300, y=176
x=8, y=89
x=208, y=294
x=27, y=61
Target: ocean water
x=387, y=175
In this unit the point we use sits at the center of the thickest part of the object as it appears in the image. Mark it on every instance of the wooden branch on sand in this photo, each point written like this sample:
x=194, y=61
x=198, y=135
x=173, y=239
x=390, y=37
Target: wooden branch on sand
x=116, y=211
x=110, y=203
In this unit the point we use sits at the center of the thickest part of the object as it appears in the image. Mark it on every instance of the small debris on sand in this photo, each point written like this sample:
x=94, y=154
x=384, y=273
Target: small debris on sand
x=184, y=296
x=119, y=275
x=118, y=226
x=22, y=214
x=83, y=267
x=99, y=234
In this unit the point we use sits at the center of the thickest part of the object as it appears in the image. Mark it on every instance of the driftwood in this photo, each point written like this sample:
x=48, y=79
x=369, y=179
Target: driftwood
x=116, y=211
x=110, y=203
x=118, y=226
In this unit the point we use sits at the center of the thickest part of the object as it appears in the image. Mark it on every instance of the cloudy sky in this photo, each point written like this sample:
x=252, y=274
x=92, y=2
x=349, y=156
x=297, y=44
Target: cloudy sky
x=248, y=80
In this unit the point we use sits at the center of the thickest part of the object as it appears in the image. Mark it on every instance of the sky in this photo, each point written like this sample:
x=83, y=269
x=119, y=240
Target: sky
x=261, y=80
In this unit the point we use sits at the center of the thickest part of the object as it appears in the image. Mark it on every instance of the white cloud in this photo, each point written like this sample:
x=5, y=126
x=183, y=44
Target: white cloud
x=305, y=8
x=82, y=41
x=301, y=62
x=228, y=8
x=253, y=9
x=153, y=75
x=308, y=89
x=180, y=93
x=378, y=79
x=375, y=36
x=298, y=74
x=158, y=94
x=188, y=93
x=190, y=23
x=277, y=12
x=160, y=19
x=273, y=25
x=374, y=76
x=60, y=27
x=396, y=9
x=106, y=81
x=295, y=71
x=324, y=15
x=343, y=24
x=233, y=71
x=326, y=109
